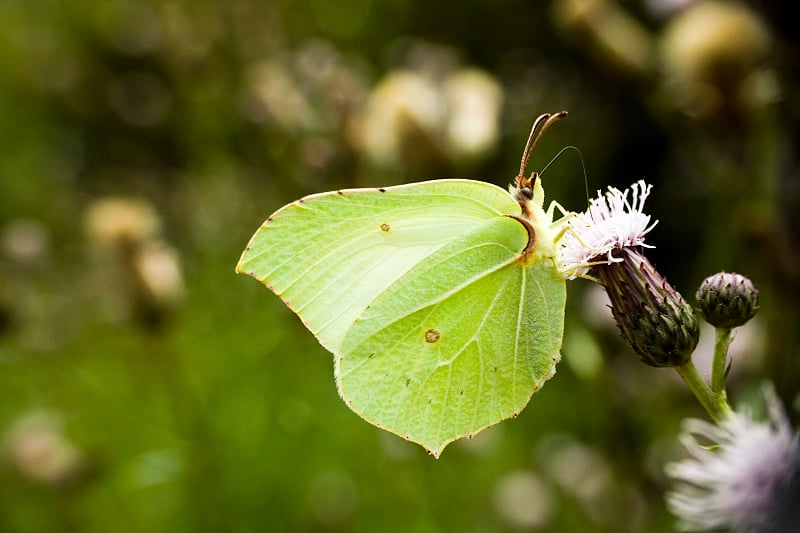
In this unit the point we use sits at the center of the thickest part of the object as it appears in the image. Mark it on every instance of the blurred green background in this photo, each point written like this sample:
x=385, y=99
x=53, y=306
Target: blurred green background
x=146, y=387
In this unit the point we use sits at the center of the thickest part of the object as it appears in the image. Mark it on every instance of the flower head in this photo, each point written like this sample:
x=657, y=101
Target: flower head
x=612, y=222
x=652, y=316
x=39, y=449
x=746, y=480
x=727, y=300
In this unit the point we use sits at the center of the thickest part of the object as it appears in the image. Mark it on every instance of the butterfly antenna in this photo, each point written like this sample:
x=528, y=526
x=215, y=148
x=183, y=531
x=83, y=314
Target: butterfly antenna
x=583, y=166
x=526, y=153
x=540, y=125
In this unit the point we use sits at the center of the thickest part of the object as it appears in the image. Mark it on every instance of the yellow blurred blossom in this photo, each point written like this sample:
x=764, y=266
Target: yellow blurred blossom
x=36, y=446
x=116, y=220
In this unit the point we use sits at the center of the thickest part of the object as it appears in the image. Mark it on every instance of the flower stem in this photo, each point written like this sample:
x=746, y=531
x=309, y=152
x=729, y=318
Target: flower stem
x=716, y=405
x=721, y=344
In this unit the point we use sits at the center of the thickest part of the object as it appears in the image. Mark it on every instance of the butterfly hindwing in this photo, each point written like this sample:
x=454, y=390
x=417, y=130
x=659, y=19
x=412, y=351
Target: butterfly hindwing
x=458, y=343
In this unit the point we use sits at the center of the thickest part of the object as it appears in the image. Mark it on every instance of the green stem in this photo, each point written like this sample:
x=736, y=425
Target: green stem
x=716, y=406
x=723, y=340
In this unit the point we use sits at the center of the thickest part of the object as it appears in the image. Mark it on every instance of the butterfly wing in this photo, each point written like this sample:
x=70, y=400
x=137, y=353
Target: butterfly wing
x=458, y=343
x=438, y=326
x=330, y=255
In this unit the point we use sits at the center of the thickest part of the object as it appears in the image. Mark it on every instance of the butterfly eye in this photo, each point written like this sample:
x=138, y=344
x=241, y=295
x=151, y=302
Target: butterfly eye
x=526, y=192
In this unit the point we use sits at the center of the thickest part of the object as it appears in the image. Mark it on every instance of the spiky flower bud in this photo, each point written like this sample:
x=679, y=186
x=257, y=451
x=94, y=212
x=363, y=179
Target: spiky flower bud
x=652, y=316
x=727, y=300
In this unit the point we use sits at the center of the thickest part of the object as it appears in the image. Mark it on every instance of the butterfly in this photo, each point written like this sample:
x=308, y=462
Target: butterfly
x=441, y=301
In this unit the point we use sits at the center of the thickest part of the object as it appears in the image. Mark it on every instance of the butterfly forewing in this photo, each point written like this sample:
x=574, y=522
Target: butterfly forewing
x=328, y=256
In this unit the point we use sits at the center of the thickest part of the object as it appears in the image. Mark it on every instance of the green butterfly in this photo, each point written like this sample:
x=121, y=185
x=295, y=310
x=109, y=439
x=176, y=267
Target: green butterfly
x=442, y=301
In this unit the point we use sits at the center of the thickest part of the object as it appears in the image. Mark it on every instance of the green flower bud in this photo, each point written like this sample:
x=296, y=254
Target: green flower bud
x=727, y=300
x=652, y=316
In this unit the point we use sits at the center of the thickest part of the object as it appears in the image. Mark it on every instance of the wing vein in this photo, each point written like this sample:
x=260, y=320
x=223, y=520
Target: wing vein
x=520, y=312
x=455, y=290
x=476, y=339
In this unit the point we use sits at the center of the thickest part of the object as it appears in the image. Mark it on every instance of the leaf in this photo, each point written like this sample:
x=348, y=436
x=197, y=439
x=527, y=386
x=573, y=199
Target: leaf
x=441, y=301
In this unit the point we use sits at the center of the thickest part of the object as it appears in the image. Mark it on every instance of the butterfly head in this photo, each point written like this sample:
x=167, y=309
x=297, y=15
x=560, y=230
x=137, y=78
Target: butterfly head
x=528, y=190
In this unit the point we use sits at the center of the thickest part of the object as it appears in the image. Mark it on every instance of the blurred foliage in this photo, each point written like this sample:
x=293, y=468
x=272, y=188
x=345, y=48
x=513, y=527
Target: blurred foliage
x=145, y=387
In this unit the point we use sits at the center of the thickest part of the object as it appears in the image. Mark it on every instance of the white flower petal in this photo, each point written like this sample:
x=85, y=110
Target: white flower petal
x=612, y=221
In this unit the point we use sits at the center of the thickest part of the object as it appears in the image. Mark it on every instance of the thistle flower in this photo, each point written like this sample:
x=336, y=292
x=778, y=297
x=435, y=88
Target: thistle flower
x=727, y=300
x=746, y=480
x=611, y=223
x=37, y=447
x=115, y=221
x=714, y=55
x=652, y=316
x=454, y=114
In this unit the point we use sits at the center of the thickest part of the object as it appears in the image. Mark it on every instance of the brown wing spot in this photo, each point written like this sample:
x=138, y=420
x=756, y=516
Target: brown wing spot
x=432, y=336
x=385, y=227
x=408, y=382
x=339, y=192
x=382, y=189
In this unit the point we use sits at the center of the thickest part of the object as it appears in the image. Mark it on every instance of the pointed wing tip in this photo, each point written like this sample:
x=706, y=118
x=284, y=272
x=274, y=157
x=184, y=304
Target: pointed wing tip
x=241, y=265
x=242, y=269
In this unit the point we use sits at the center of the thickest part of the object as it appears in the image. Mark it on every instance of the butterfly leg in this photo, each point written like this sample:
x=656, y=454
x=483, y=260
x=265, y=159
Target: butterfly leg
x=551, y=209
x=564, y=227
x=561, y=226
